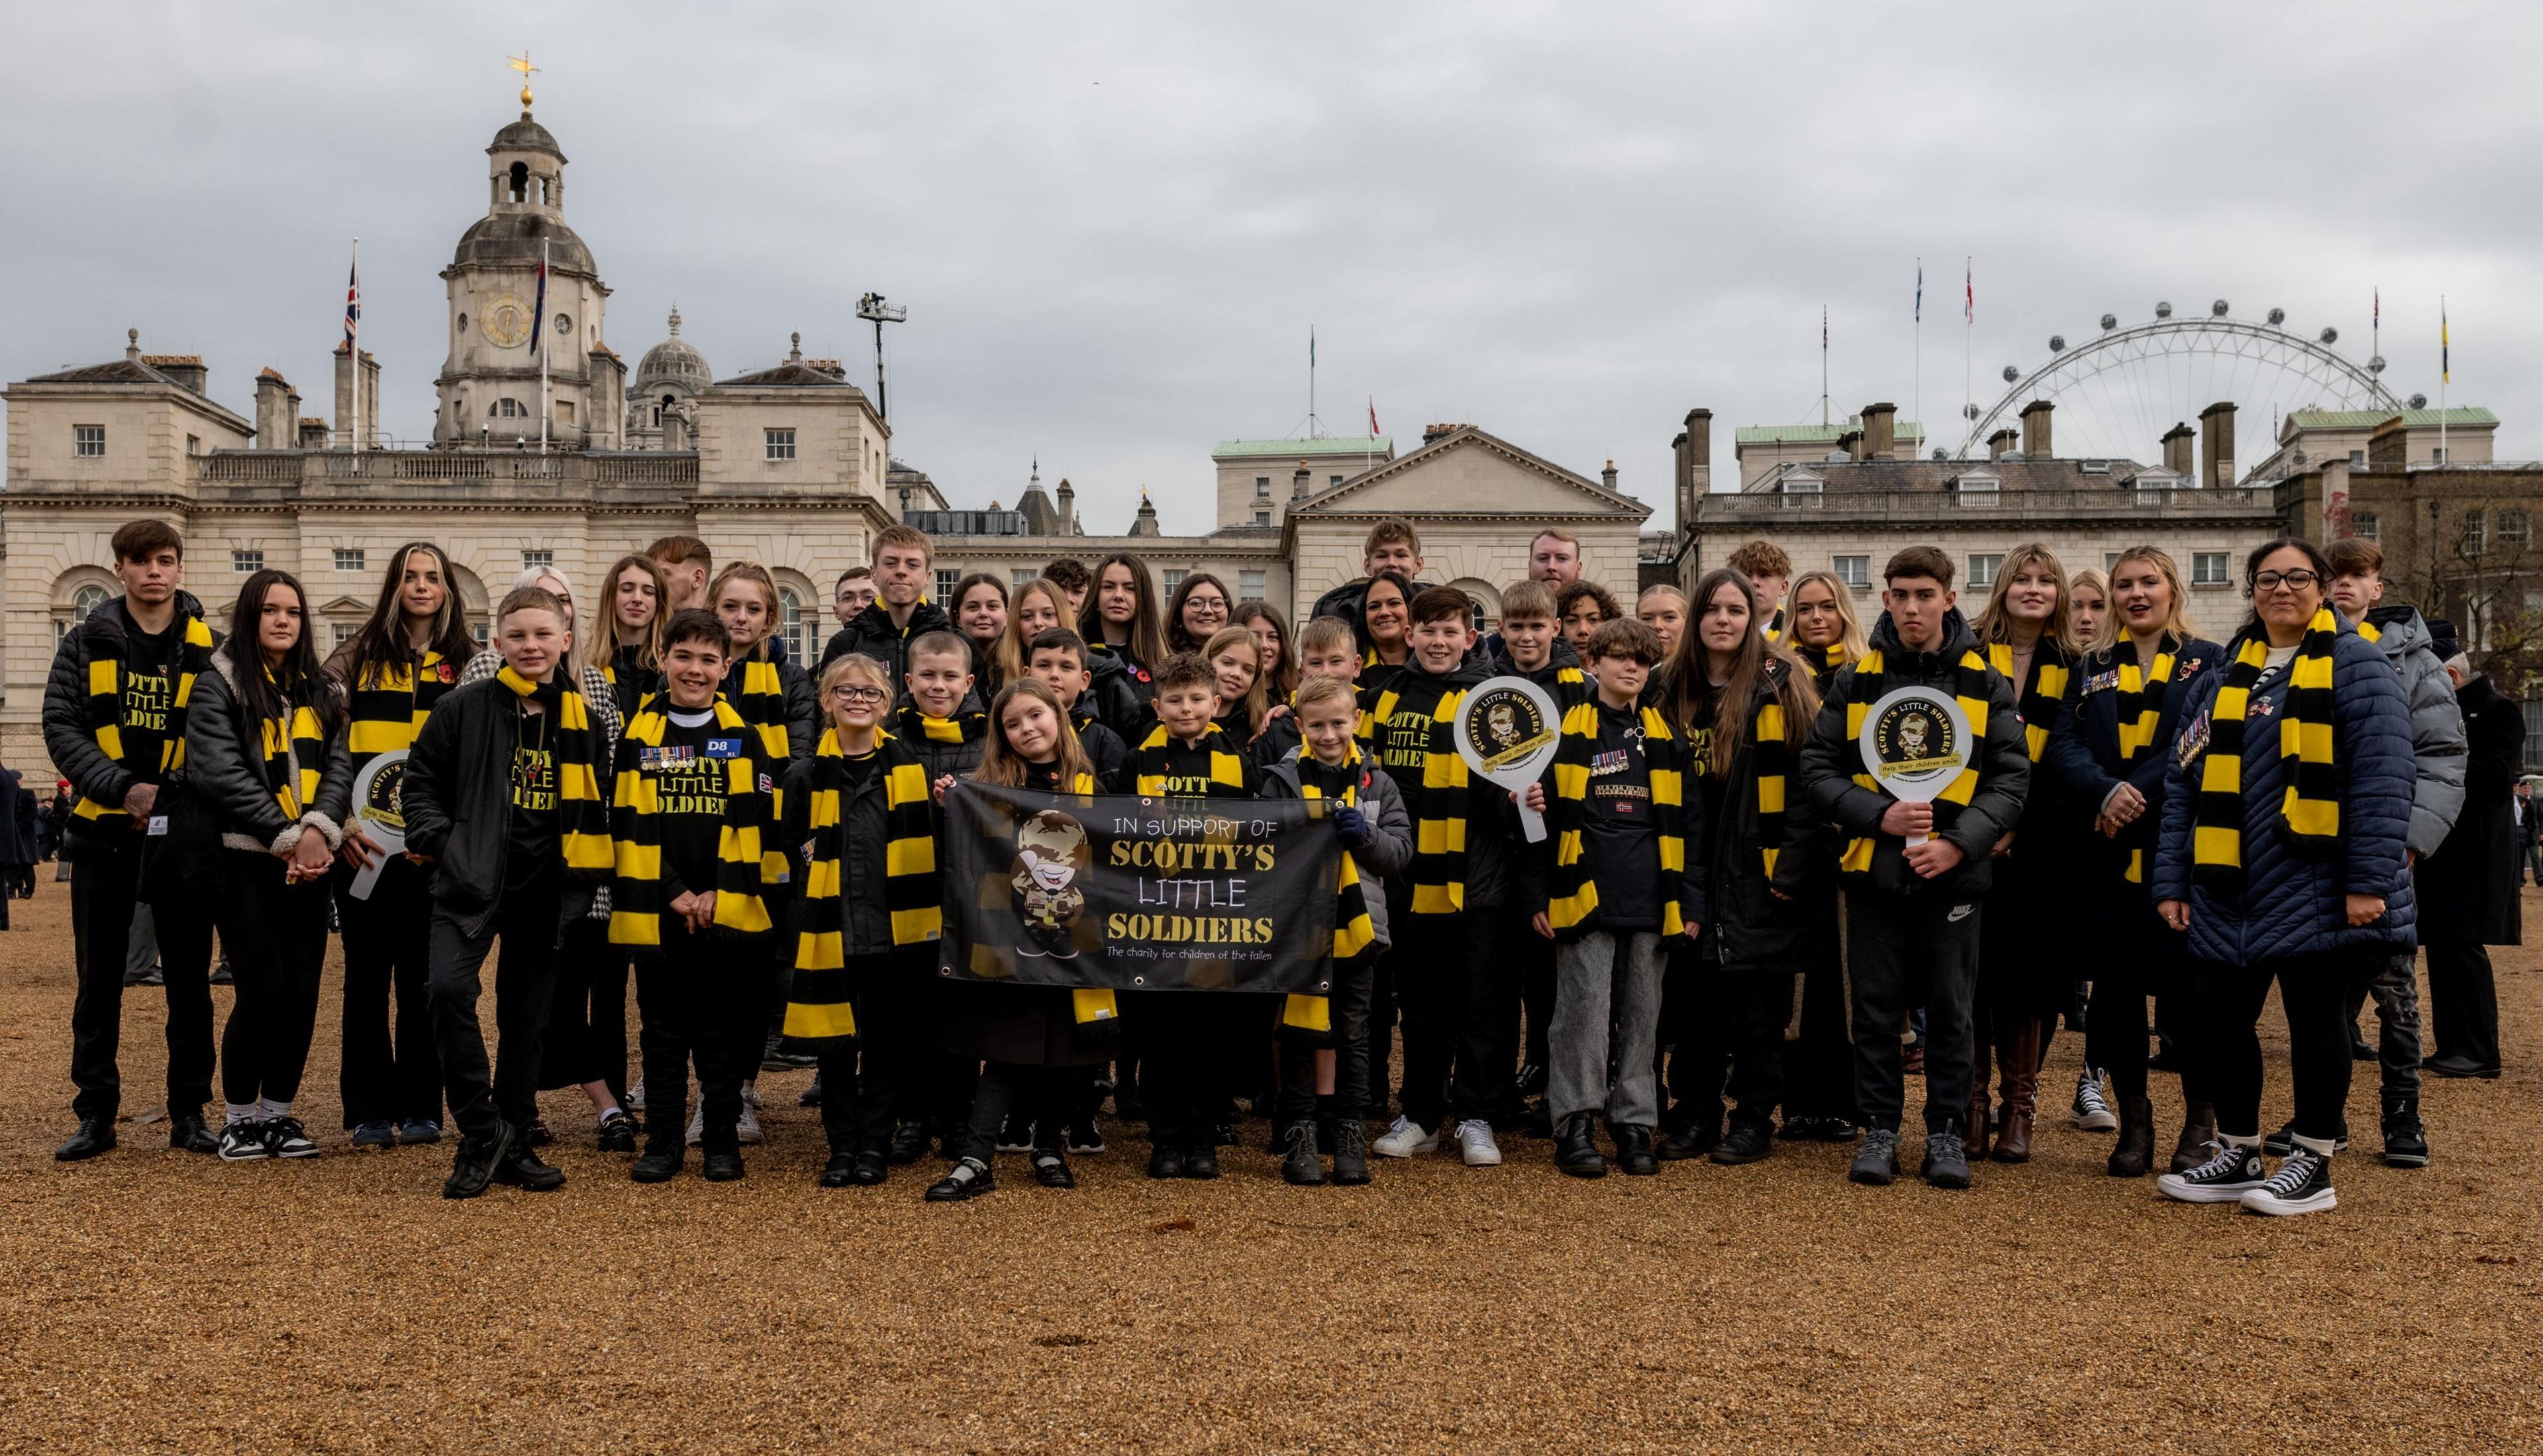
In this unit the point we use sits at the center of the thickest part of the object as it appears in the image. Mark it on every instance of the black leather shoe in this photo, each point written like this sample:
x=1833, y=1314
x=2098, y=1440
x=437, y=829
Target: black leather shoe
x=618, y=1134
x=721, y=1165
x=473, y=1164
x=1634, y=1151
x=1691, y=1141
x=969, y=1179
x=96, y=1135
x=1051, y=1169
x=2461, y=1066
x=659, y=1162
x=520, y=1167
x=1747, y=1143
x=187, y=1132
x=1575, y=1151
x=840, y=1172
x=908, y=1144
x=1165, y=1162
x=872, y=1168
x=1200, y=1162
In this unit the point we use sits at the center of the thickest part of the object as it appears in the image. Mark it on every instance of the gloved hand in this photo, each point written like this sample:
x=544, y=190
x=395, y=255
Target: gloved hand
x=1352, y=826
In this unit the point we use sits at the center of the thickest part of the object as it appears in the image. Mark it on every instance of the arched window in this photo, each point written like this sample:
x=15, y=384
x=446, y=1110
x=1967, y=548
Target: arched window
x=790, y=618
x=507, y=407
x=88, y=598
x=521, y=182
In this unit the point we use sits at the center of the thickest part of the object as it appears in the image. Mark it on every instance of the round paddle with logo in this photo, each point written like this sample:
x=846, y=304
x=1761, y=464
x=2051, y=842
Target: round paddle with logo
x=1915, y=741
x=381, y=813
x=1505, y=730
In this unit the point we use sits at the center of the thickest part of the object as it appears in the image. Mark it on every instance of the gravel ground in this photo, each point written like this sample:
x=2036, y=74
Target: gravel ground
x=166, y=1302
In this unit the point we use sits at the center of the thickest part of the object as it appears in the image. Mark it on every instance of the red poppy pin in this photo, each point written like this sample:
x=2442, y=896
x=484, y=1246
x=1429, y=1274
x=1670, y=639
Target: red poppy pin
x=450, y=673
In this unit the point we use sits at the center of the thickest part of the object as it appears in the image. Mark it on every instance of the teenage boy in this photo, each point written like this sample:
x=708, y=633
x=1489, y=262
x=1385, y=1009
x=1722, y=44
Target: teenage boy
x=1531, y=645
x=900, y=612
x=1913, y=911
x=1391, y=546
x=686, y=564
x=2439, y=747
x=694, y=794
x=1070, y=574
x=503, y=792
x=854, y=593
x=1325, y=648
x=1060, y=661
x=1617, y=878
x=1193, y=1044
x=1770, y=573
x=1459, y=1002
x=114, y=724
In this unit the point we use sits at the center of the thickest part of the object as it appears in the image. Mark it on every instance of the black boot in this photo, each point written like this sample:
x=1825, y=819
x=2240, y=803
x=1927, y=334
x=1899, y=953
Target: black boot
x=1165, y=1160
x=1575, y=1148
x=520, y=1167
x=720, y=1160
x=663, y=1153
x=1351, y=1153
x=96, y=1135
x=908, y=1144
x=1695, y=1139
x=1634, y=1152
x=2134, y=1155
x=1750, y=1141
x=2405, y=1142
x=1301, y=1168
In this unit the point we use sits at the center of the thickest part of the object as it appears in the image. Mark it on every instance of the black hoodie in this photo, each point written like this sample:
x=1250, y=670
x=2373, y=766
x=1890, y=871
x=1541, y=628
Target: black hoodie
x=871, y=632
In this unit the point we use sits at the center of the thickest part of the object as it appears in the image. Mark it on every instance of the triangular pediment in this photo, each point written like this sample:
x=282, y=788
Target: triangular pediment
x=1471, y=473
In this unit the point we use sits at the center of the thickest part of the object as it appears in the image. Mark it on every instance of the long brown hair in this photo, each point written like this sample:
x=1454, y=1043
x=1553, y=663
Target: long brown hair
x=1689, y=674
x=1147, y=644
x=1280, y=678
x=1177, y=638
x=1994, y=623
x=380, y=647
x=605, y=641
x=1002, y=765
x=1258, y=701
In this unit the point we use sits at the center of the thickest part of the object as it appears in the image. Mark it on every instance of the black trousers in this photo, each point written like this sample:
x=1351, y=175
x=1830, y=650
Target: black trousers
x=1384, y=1004
x=2463, y=1002
x=879, y=1076
x=103, y=889
x=387, y=1076
x=1819, y=1064
x=1349, y=998
x=1748, y=1008
x=2137, y=955
x=1460, y=1006
x=2313, y=990
x=525, y=921
x=1194, y=1050
x=276, y=935
x=694, y=1011
x=1043, y=1093
x=1906, y=952
x=587, y=1036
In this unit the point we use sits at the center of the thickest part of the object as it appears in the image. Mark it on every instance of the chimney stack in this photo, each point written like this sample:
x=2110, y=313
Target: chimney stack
x=2000, y=443
x=2035, y=430
x=1698, y=479
x=2216, y=445
x=1607, y=477
x=186, y=369
x=1881, y=431
x=1067, y=507
x=277, y=418
x=1434, y=433
x=313, y=431
x=2176, y=449
x=1851, y=442
x=1300, y=481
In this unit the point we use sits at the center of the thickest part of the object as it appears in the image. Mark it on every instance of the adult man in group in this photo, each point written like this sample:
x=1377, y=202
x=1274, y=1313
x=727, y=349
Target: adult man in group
x=1554, y=558
x=854, y=593
x=2468, y=896
x=900, y=612
x=114, y=724
x=686, y=564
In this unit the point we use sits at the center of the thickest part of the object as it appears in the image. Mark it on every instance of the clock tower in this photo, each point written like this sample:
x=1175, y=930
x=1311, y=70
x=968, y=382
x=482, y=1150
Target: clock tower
x=489, y=386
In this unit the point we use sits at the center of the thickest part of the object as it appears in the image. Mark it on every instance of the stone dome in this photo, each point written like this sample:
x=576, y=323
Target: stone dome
x=514, y=238
x=526, y=135
x=673, y=361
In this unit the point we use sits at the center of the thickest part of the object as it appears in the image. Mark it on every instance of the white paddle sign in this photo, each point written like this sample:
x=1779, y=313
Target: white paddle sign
x=380, y=815
x=1915, y=741
x=1505, y=730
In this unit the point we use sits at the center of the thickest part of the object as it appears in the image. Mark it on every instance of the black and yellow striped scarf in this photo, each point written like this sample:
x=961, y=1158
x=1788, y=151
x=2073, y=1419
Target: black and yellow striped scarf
x=295, y=756
x=2038, y=700
x=2139, y=700
x=1770, y=754
x=962, y=728
x=384, y=711
x=1970, y=687
x=1775, y=626
x=583, y=813
x=819, y=1004
x=2309, y=812
x=635, y=903
x=1572, y=898
x=1312, y=1017
x=756, y=688
x=1167, y=769
x=103, y=707
x=1434, y=791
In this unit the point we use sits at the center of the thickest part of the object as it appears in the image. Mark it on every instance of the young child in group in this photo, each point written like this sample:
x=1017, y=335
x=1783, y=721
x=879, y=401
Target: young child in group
x=693, y=804
x=1236, y=661
x=869, y=917
x=1324, y=1070
x=1583, y=606
x=1325, y=648
x=1193, y=1044
x=1617, y=854
x=503, y=790
x=1040, y=1044
x=1058, y=660
x=940, y=718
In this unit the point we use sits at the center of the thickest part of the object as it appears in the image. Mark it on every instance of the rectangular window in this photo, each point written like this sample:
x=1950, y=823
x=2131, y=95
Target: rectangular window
x=2513, y=533
x=945, y=581
x=1982, y=568
x=2364, y=525
x=1249, y=585
x=88, y=439
x=1020, y=578
x=1262, y=517
x=1854, y=571
x=780, y=443
x=247, y=561
x=2207, y=568
x=2438, y=456
x=2534, y=725
x=1262, y=486
x=2357, y=459
x=348, y=557
x=1338, y=480
x=341, y=633
x=2110, y=562
x=1175, y=577
x=2476, y=532
x=530, y=558
x=193, y=444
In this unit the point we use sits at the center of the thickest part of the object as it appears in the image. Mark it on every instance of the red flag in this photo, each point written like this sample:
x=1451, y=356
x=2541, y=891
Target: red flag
x=1373, y=430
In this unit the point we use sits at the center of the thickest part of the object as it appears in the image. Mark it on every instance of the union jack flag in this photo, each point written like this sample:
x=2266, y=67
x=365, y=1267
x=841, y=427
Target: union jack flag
x=539, y=310
x=353, y=306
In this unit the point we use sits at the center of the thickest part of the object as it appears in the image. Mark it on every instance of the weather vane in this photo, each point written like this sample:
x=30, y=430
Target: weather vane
x=522, y=63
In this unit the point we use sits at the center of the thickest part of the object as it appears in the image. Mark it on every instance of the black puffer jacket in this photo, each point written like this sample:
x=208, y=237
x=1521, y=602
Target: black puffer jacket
x=67, y=738
x=872, y=633
x=225, y=765
x=1121, y=693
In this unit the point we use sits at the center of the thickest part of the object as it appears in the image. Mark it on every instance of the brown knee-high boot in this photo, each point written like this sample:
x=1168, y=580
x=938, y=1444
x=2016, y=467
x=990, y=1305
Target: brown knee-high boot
x=1975, y=1136
x=2019, y=1052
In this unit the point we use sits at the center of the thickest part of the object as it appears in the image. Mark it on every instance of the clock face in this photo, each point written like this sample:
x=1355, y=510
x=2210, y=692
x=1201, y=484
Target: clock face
x=506, y=322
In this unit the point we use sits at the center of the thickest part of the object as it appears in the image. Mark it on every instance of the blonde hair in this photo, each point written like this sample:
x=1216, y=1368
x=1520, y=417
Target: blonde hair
x=2178, y=623
x=1257, y=698
x=1849, y=635
x=539, y=578
x=748, y=570
x=1315, y=690
x=841, y=668
x=1994, y=622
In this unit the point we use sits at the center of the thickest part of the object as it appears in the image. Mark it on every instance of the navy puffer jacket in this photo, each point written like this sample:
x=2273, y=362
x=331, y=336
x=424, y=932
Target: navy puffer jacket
x=2289, y=904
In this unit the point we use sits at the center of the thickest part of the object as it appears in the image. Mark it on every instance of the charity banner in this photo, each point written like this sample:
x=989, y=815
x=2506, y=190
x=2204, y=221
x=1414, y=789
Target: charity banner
x=1138, y=895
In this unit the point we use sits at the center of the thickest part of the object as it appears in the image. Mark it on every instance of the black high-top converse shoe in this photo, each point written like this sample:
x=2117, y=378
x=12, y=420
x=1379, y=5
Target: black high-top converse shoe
x=2229, y=1172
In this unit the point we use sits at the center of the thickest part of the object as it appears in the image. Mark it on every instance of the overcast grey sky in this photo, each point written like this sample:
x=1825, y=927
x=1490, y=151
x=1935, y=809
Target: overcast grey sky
x=1114, y=225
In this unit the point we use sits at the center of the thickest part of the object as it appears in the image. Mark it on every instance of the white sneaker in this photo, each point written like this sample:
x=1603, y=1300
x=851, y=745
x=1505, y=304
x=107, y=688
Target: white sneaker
x=2091, y=1112
x=636, y=1097
x=750, y=1097
x=698, y=1125
x=1403, y=1139
x=1475, y=1143
x=747, y=1128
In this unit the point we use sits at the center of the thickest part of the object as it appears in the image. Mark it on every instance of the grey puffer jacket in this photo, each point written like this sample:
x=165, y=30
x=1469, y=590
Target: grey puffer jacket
x=1390, y=832
x=226, y=763
x=2436, y=726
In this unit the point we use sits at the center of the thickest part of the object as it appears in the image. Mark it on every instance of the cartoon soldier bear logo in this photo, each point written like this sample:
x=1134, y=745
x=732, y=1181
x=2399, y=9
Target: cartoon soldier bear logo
x=1050, y=853
x=1505, y=725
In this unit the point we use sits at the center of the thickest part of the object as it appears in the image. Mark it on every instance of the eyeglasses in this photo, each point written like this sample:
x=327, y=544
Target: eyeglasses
x=851, y=693
x=2297, y=581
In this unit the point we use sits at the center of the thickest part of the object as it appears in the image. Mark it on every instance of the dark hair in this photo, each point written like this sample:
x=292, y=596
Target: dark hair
x=1001, y=764
x=1183, y=670
x=1177, y=637
x=1147, y=644
x=380, y=647
x=268, y=693
x=963, y=588
x=1627, y=636
x=848, y=575
x=141, y=540
x=1919, y=560
x=1573, y=591
x=1058, y=639
x=2267, y=549
x=1404, y=587
x=696, y=624
x=1442, y=604
x=1689, y=671
x=1069, y=572
x=1281, y=678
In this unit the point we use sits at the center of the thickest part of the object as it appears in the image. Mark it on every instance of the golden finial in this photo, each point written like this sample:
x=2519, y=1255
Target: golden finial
x=522, y=63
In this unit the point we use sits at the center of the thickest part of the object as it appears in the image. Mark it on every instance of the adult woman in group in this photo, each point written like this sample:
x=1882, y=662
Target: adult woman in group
x=2088, y=608
x=265, y=749
x=395, y=670
x=980, y=616
x=1822, y=627
x=1195, y=612
x=1270, y=629
x=627, y=630
x=2282, y=857
x=586, y=1035
x=1124, y=641
x=2021, y=985
x=1386, y=621
x=1039, y=606
x=2112, y=751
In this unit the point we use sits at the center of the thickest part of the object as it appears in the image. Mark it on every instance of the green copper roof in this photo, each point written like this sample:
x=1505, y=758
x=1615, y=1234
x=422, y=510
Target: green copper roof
x=2369, y=419
x=1818, y=434
x=1306, y=450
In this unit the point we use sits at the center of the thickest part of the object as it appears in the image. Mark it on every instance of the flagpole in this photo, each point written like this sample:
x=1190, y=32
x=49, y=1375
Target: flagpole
x=2445, y=372
x=1916, y=395
x=1969, y=341
x=1823, y=389
x=545, y=344
x=353, y=347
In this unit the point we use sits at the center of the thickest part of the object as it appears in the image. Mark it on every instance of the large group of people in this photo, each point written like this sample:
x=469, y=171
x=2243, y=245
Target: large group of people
x=1731, y=934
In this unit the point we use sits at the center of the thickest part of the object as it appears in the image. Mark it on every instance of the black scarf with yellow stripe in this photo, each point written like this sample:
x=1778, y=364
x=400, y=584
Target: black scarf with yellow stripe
x=819, y=1004
x=2138, y=695
x=1572, y=895
x=1311, y=1017
x=2042, y=696
x=1870, y=683
x=385, y=709
x=2309, y=812
x=1413, y=724
x=909, y=722
x=637, y=906
x=103, y=708
x=1165, y=767
x=583, y=815
x=756, y=688
x=1770, y=756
